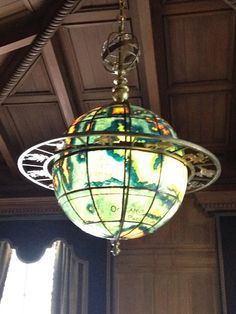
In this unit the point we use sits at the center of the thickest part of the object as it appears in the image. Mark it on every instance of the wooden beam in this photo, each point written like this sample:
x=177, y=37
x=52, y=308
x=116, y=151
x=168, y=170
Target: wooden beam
x=19, y=33
x=200, y=87
x=86, y=18
x=52, y=22
x=16, y=44
x=8, y=156
x=57, y=80
x=140, y=12
x=231, y=3
x=188, y=7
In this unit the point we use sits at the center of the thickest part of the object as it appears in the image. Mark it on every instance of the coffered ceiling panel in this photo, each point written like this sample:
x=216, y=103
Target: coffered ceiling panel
x=33, y=5
x=8, y=7
x=94, y=3
x=36, y=80
x=30, y=123
x=191, y=55
x=86, y=42
x=202, y=118
x=14, y=6
x=3, y=59
x=10, y=4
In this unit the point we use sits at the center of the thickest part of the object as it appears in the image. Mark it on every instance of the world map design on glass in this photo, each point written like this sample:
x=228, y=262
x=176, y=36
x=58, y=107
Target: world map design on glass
x=123, y=191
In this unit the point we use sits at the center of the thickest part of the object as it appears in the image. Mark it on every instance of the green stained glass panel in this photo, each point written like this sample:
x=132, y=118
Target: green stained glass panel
x=162, y=203
x=97, y=229
x=145, y=170
x=139, y=202
x=136, y=233
x=109, y=124
x=168, y=216
x=142, y=113
x=106, y=168
x=113, y=227
x=133, y=229
x=103, y=112
x=78, y=141
x=57, y=182
x=108, y=202
x=71, y=213
x=82, y=203
x=90, y=115
x=73, y=172
x=174, y=176
x=142, y=126
x=83, y=126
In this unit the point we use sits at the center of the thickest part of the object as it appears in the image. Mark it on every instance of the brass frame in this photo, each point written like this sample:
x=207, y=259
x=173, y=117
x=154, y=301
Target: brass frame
x=203, y=167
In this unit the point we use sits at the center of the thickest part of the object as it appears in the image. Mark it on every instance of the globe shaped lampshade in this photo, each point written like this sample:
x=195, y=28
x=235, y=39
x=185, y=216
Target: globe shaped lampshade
x=115, y=177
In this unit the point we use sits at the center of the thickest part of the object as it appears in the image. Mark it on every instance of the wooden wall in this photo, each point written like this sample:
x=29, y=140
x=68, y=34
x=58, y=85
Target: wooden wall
x=174, y=271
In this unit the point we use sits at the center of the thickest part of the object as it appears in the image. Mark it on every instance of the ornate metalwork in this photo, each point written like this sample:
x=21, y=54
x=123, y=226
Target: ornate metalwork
x=203, y=166
x=115, y=248
x=120, y=54
x=130, y=52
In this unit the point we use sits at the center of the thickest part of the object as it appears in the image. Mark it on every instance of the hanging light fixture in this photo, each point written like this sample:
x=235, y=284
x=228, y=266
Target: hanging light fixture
x=120, y=172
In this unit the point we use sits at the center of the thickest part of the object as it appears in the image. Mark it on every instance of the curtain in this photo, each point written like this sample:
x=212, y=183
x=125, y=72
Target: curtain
x=70, y=285
x=5, y=256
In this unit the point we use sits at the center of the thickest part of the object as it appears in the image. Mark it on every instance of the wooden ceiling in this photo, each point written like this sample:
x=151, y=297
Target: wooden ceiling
x=51, y=72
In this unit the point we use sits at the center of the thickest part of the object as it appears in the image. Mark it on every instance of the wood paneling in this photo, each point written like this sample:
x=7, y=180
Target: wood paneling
x=19, y=7
x=9, y=7
x=172, y=271
x=186, y=292
x=171, y=7
x=87, y=41
x=79, y=44
x=202, y=118
x=139, y=299
x=96, y=4
x=5, y=63
x=191, y=55
x=36, y=80
x=215, y=202
x=3, y=59
x=32, y=123
x=189, y=228
x=33, y=5
x=100, y=2
x=58, y=82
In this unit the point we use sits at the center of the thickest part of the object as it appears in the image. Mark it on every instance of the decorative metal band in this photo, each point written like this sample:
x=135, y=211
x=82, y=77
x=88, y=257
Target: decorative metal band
x=203, y=167
x=35, y=49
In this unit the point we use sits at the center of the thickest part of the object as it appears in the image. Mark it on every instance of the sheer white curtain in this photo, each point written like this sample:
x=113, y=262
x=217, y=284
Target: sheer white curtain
x=5, y=257
x=70, y=285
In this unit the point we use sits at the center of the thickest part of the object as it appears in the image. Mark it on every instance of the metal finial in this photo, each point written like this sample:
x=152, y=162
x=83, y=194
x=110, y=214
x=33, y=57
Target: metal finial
x=115, y=247
x=120, y=53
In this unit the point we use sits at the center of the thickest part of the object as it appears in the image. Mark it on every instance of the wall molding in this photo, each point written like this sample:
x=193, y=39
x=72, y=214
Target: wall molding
x=23, y=207
x=217, y=201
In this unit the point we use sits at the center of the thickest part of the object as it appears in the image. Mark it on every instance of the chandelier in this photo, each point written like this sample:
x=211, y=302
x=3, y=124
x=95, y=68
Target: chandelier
x=119, y=172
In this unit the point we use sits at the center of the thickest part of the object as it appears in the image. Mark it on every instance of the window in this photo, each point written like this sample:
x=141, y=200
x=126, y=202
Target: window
x=28, y=287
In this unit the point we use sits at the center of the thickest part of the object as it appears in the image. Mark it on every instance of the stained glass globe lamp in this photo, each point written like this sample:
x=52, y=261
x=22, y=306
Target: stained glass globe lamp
x=120, y=172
